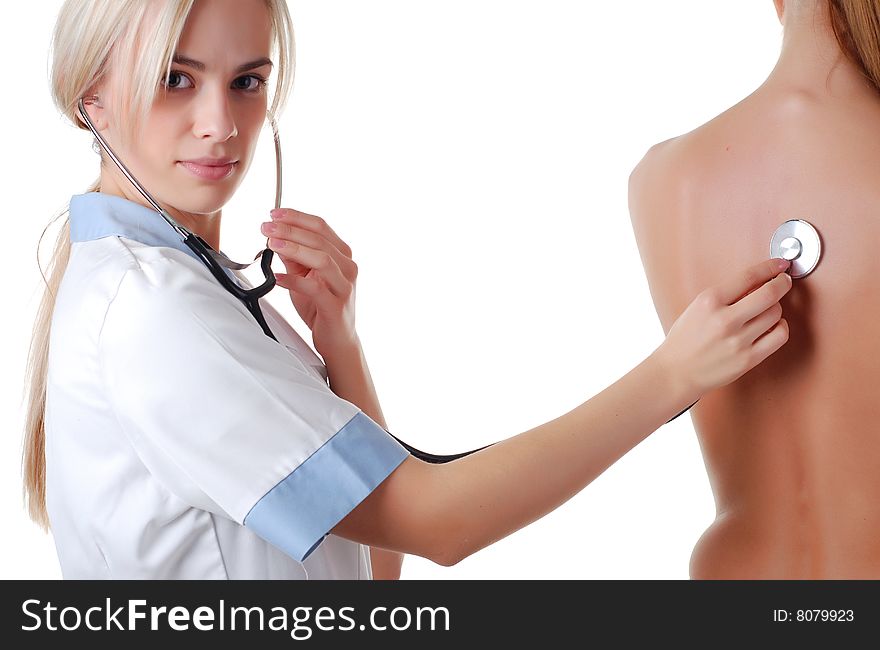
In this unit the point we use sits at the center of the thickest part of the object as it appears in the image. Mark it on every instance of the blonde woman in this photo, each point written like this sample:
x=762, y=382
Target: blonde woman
x=169, y=437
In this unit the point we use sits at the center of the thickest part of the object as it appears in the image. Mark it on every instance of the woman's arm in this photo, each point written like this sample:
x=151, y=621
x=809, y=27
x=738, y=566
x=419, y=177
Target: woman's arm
x=447, y=512
x=350, y=379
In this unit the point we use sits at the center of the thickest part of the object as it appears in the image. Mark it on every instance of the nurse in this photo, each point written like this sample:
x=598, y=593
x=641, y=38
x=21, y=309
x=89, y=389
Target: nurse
x=169, y=437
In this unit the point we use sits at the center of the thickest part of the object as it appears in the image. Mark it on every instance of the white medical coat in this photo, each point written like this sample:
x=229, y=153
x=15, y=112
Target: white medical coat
x=181, y=441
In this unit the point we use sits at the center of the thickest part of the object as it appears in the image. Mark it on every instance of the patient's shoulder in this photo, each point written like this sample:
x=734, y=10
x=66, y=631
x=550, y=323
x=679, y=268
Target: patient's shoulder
x=662, y=181
x=673, y=175
x=661, y=165
x=764, y=130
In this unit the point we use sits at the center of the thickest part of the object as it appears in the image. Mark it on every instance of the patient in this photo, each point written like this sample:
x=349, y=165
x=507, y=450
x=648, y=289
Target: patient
x=792, y=449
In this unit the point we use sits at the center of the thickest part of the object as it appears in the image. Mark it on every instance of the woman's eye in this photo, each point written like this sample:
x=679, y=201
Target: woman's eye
x=174, y=78
x=257, y=83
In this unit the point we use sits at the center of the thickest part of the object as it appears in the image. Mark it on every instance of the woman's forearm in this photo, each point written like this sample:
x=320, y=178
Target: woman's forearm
x=490, y=494
x=350, y=379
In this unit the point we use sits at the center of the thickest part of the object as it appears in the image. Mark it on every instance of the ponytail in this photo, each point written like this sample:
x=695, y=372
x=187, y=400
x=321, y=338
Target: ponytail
x=34, y=454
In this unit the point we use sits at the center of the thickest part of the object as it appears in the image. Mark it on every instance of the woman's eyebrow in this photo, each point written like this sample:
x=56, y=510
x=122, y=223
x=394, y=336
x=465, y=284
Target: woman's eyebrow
x=198, y=65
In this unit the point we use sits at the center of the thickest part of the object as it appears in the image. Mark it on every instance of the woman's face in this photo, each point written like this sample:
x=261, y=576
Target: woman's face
x=210, y=112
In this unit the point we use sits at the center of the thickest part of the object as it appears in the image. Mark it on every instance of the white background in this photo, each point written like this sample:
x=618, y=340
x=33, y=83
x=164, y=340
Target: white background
x=475, y=155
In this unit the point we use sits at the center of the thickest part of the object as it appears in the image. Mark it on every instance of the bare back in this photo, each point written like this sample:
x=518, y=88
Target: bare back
x=793, y=447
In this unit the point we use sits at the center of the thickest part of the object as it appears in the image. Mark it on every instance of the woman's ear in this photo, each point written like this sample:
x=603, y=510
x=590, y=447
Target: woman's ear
x=94, y=108
x=780, y=10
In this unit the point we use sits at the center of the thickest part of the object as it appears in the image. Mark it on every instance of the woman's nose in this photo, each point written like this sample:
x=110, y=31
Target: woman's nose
x=214, y=118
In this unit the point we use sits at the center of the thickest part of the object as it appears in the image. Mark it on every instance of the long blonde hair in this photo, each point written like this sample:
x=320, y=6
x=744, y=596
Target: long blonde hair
x=91, y=38
x=856, y=24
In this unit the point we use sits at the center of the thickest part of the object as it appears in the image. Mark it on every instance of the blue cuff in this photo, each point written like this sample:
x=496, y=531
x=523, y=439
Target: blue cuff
x=298, y=512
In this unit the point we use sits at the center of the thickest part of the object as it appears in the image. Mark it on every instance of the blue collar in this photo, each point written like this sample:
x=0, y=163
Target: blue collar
x=95, y=215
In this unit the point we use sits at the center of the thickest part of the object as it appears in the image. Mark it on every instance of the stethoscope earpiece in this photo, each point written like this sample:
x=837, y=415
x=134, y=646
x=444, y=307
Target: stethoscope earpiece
x=797, y=241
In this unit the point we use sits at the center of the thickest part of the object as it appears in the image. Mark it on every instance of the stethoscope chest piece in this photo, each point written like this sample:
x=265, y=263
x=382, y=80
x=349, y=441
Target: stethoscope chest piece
x=797, y=241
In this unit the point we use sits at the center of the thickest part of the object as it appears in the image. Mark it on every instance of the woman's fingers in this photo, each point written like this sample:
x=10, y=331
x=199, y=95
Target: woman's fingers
x=318, y=260
x=761, y=323
x=311, y=222
x=750, y=279
x=293, y=268
x=285, y=232
x=761, y=299
x=770, y=342
x=311, y=287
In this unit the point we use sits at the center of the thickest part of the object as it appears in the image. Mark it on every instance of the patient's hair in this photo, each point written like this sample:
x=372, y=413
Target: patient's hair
x=856, y=25
x=92, y=38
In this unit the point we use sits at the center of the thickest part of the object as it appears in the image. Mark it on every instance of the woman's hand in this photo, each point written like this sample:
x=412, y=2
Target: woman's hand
x=729, y=329
x=320, y=276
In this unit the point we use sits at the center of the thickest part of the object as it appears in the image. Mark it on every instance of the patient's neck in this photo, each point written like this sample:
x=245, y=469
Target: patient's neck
x=812, y=60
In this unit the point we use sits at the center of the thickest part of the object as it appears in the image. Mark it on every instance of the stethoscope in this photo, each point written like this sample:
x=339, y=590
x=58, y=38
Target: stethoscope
x=795, y=240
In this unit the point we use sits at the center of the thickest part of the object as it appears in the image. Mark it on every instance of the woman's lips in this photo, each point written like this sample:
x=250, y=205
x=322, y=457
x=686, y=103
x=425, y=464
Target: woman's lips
x=208, y=172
